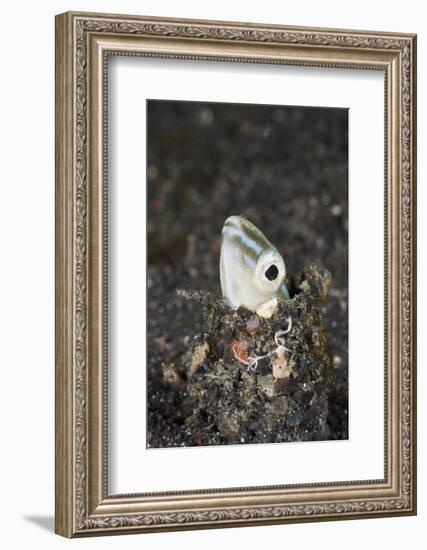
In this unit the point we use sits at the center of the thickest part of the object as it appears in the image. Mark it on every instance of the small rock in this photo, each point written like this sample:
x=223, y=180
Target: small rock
x=199, y=355
x=152, y=172
x=170, y=375
x=336, y=210
x=161, y=342
x=266, y=383
x=337, y=361
x=206, y=116
x=253, y=323
x=280, y=405
x=304, y=286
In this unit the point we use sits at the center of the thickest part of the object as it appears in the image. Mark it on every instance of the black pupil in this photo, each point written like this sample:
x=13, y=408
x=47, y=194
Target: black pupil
x=272, y=273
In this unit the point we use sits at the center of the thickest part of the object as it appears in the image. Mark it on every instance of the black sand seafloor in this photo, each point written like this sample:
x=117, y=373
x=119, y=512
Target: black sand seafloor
x=285, y=169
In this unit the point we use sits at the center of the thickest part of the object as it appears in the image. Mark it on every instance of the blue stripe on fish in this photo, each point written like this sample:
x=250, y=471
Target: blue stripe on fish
x=284, y=291
x=250, y=243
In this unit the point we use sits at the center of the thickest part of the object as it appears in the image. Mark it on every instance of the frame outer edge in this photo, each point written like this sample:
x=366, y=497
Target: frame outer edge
x=248, y=25
x=64, y=237
x=414, y=270
x=74, y=513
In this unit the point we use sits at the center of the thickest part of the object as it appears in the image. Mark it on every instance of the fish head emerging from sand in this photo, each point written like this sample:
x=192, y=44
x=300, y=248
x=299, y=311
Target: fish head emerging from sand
x=252, y=271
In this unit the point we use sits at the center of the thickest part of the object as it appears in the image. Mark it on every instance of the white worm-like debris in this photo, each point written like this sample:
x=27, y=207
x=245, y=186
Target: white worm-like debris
x=252, y=361
x=278, y=337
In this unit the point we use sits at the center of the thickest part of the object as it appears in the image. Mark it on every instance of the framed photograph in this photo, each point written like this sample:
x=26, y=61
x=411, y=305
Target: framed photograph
x=235, y=274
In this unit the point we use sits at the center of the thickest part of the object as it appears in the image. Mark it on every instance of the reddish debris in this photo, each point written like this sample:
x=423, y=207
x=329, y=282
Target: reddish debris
x=240, y=350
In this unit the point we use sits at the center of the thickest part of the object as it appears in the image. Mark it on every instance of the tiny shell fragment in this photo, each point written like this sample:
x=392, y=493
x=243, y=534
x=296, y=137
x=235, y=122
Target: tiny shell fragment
x=267, y=309
x=281, y=367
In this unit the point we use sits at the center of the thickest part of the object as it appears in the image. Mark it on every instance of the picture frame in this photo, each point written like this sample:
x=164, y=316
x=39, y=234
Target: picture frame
x=84, y=506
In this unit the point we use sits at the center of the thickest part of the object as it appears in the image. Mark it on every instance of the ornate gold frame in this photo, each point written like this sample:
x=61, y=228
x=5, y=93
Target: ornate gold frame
x=83, y=42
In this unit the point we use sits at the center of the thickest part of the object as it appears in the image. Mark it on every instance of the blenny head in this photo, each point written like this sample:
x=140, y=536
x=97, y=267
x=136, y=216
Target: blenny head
x=252, y=271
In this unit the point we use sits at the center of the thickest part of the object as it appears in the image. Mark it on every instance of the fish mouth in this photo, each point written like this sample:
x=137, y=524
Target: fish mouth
x=233, y=222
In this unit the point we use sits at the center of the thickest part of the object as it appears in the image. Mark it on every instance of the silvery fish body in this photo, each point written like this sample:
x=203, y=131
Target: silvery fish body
x=252, y=271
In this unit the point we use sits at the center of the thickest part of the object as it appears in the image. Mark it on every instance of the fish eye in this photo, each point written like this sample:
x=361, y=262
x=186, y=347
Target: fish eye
x=272, y=272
